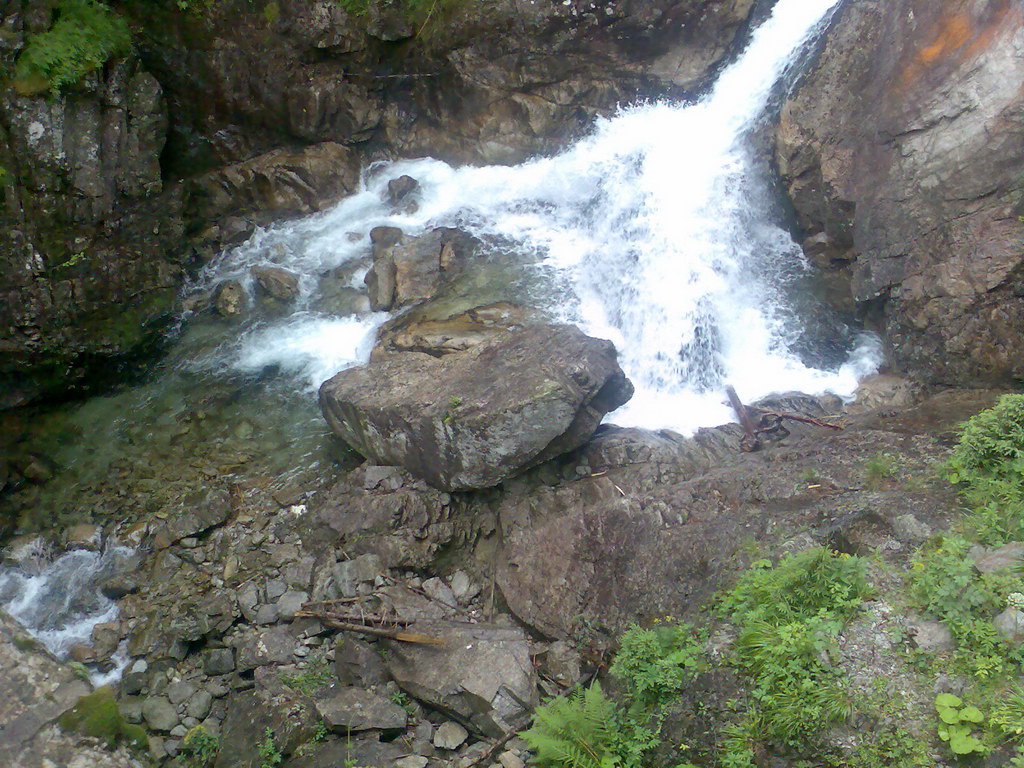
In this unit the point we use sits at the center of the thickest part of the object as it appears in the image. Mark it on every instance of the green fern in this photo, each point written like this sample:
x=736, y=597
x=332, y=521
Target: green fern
x=85, y=35
x=576, y=731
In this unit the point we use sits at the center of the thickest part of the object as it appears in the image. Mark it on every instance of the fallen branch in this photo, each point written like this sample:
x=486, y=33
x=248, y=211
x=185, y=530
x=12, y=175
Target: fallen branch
x=401, y=635
x=795, y=417
x=750, y=441
x=768, y=422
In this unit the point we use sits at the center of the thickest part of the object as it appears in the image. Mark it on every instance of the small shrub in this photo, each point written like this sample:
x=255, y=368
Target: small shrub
x=880, y=467
x=655, y=663
x=199, y=748
x=269, y=754
x=991, y=444
x=85, y=36
x=317, y=674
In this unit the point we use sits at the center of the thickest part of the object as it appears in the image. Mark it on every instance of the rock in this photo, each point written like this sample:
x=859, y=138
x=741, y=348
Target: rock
x=931, y=636
x=259, y=648
x=357, y=663
x=884, y=392
x=918, y=197
x=229, y=299
x=279, y=183
x=159, y=713
x=267, y=614
x=412, y=761
x=1010, y=624
x=463, y=588
x=180, y=692
x=561, y=662
x=431, y=330
x=119, y=585
x=407, y=270
x=349, y=574
x=29, y=551
x=199, y=705
x=248, y=717
x=1006, y=558
x=348, y=708
x=200, y=511
x=482, y=674
x=473, y=419
x=291, y=602
x=401, y=188
x=277, y=283
x=909, y=528
x=439, y=591
x=450, y=735
x=84, y=536
x=510, y=759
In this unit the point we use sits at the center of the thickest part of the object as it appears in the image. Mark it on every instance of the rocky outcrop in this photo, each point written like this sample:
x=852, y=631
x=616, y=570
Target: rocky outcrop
x=472, y=419
x=903, y=152
x=35, y=690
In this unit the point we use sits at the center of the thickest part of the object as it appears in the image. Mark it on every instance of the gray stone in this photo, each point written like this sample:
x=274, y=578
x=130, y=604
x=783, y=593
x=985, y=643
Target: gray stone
x=291, y=602
x=219, y=661
x=349, y=574
x=412, y=761
x=437, y=590
x=908, y=528
x=480, y=674
x=267, y=614
x=450, y=735
x=1005, y=558
x=347, y=708
x=199, y=705
x=472, y=419
x=259, y=648
x=180, y=692
x=510, y=759
x=463, y=587
x=1010, y=624
x=356, y=663
x=277, y=283
x=159, y=713
x=931, y=636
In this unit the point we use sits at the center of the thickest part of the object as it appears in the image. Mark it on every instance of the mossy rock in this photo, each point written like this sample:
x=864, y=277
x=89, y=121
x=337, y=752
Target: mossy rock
x=97, y=715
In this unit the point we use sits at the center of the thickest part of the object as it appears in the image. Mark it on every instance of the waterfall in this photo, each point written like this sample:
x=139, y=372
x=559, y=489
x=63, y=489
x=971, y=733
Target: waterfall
x=656, y=231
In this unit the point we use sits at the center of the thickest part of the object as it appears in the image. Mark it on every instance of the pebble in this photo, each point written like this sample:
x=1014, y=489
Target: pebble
x=510, y=759
x=450, y=735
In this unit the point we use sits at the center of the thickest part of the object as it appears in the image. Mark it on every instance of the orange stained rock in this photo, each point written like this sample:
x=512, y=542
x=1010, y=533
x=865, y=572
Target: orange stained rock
x=956, y=37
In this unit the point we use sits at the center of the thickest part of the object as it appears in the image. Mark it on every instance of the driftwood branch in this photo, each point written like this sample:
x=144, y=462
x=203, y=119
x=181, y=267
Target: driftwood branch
x=348, y=623
x=767, y=421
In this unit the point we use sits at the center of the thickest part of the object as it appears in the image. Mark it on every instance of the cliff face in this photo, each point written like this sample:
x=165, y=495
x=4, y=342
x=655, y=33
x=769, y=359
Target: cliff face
x=242, y=113
x=903, y=153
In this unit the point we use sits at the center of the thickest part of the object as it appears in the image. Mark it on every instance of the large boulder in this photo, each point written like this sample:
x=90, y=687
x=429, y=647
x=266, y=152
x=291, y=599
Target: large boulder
x=903, y=153
x=474, y=418
x=478, y=673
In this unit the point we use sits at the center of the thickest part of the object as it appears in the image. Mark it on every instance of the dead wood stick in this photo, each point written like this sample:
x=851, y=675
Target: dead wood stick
x=391, y=634
x=794, y=417
x=490, y=753
x=749, y=442
x=352, y=618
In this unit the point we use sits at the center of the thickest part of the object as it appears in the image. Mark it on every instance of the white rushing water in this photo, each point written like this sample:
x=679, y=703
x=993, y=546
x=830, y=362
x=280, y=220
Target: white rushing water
x=59, y=602
x=657, y=230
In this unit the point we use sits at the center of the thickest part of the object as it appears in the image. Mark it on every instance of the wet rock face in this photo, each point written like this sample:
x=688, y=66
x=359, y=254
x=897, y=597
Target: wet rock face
x=902, y=153
x=89, y=236
x=472, y=419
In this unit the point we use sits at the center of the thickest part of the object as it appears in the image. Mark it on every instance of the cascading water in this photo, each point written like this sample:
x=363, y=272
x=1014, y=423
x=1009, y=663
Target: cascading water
x=655, y=231
x=60, y=602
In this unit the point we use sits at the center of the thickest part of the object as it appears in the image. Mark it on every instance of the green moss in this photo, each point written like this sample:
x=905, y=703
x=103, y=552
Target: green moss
x=97, y=716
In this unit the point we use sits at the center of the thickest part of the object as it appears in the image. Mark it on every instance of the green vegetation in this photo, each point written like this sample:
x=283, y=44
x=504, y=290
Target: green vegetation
x=199, y=748
x=317, y=674
x=268, y=751
x=879, y=468
x=788, y=617
x=97, y=716
x=589, y=730
x=956, y=723
x=85, y=35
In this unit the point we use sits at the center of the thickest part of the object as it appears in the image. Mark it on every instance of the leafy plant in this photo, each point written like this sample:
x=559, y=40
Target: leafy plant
x=656, y=662
x=1007, y=717
x=317, y=674
x=269, y=754
x=576, y=731
x=788, y=617
x=880, y=467
x=894, y=748
x=85, y=35
x=199, y=748
x=956, y=723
